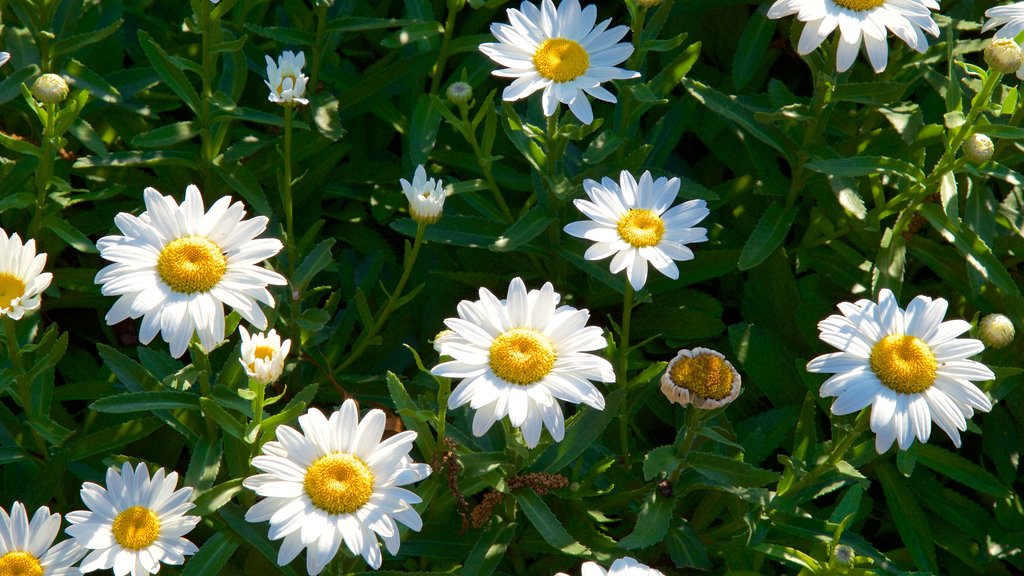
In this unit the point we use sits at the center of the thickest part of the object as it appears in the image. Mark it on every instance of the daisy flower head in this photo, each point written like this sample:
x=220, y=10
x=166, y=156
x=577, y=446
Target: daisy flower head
x=701, y=377
x=22, y=279
x=908, y=365
x=26, y=547
x=135, y=523
x=285, y=79
x=560, y=51
x=263, y=355
x=622, y=567
x=177, y=265
x=518, y=356
x=857, y=20
x=1009, y=19
x=335, y=482
x=425, y=195
x=633, y=221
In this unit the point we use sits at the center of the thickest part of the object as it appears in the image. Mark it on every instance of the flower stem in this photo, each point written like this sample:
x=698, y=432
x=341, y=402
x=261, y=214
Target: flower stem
x=389, y=307
x=623, y=367
x=202, y=363
x=321, y=21
x=45, y=171
x=485, y=163
x=442, y=57
x=694, y=417
x=839, y=450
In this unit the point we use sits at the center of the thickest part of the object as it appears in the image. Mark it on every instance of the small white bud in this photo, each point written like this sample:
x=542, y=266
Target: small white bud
x=996, y=331
x=1004, y=55
x=978, y=148
x=425, y=195
x=50, y=89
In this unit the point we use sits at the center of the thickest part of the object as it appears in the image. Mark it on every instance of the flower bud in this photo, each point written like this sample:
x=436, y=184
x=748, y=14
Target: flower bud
x=425, y=195
x=996, y=331
x=1004, y=55
x=843, y=555
x=50, y=89
x=263, y=355
x=978, y=148
x=459, y=93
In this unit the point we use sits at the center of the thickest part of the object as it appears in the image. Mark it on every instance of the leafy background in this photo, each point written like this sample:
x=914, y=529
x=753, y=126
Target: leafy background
x=805, y=195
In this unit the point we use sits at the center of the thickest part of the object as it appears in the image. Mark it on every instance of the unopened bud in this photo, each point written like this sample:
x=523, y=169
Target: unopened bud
x=50, y=89
x=459, y=93
x=843, y=555
x=978, y=148
x=1004, y=55
x=996, y=331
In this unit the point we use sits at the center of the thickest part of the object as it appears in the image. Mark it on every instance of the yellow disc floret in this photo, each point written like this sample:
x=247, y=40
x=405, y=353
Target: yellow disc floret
x=11, y=287
x=561, y=59
x=904, y=363
x=641, y=227
x=20, y=564
x=705, y=375
x=136, y=528
x=859, y=4
x=264, y=352
x=191, y=264
x=522, y=356
x=339, y=483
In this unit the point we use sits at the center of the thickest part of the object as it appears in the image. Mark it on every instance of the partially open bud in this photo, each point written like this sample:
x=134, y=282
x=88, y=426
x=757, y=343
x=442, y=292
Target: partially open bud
x=996, y=331
x=1004, y=55
x=425, y=195
x=978, y=148
x=50, y=89
x=459, y=93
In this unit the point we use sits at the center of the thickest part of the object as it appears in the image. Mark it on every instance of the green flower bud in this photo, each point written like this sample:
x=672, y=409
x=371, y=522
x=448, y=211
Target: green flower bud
x=996, y=331
x=50, y=89
x=978, y=148
x=459, y=93
x=1004, y=55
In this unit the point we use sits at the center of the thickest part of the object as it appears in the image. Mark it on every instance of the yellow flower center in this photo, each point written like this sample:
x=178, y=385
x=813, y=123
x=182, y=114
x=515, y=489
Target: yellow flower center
x=522, y=356
x=264, y=352
x=20, y=564
x=11, y=287
x=339, y=483
x=705, y=375
x=641, y=227
x=136, y=528
x=191, y=264
x=280, y=86
x=859, y=4
x=561, y=59
x=904, y=363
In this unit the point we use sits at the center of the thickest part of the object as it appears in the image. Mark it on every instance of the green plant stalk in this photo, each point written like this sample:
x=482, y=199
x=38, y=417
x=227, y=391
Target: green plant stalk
x=23, y=388
x=838, y=452
x=321, y=21
x=623, y=367
x=202, y=363
x=694, y=417
x=389, y=307
x=286, y=203
x=45, y=171
x=442, y=57
x=209, y=64
x=444, y=390
x=260, y=388
x=485, y=164
x=821, y=99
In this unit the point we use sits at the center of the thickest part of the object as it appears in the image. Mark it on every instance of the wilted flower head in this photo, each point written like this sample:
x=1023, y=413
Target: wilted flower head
x=909, y=366
x=996, y=331
x=701, y=377
x=978, y=148
x=50, y=89
x=285, y=79
x=1004, y=55
x=857, y=20
x=561, y=52
x=425, y=195
x=263, y=355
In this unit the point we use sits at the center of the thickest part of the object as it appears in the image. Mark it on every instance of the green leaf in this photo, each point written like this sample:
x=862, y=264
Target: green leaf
x=242, y=180
x=19, y=146
x=547, y=524
x=1001, y=131
x=870, y=93
x=660, y=461
x=225, y=420
x=730, y=108
x=729, y=472
x=910, y=520
x=489, y=549
x=752, y=48
x=406, y=408
x=863, y=165
x=361, y=24
x=212, y=557
x=213, y=499
x=145, y=402
x=978, y=255
x=129, y=372
x=529, y=226
x=110, y=440
x=10, y=88
x=958, y=468
x=317, y=259
x=282, y=34
x=167, y=135
x=70, y=235
x=137, y=158
x=768, y=234
x=204, y=464
x=455, y=230
x=686, y=549
x=169, y=72
x=651, y=523
x=581, y=432
x=79, y=41
x=890, y=263
x=254, y=535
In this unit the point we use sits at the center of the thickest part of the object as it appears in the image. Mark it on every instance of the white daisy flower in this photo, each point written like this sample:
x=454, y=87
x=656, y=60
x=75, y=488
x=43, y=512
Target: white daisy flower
x=26, y=547
x=176, y=266
x=516, y=357
x=263, y=355
x=560, y=51
x=621, y=567
x=1010, y=21
x=135, y=523
x=4, y=57
x=22, y=279
x=336, y=481
x=285, y=79
x=702, y=377
x=909, y=366
x=425, y=195
x=632, y=220
x=856, y=19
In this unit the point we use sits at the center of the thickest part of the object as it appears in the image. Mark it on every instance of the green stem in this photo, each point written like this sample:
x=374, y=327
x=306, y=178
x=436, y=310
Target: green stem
x=838, y=452
x=485, y=163
x=321, y=21
x=389, y=307
x=286, y=195
x=202, y=363
x=13, y=349
x=21, y=386
x=45, y=171
x=442, y=57
x=260, y=388
x=622, y=369
x=694, y=416
x=822, y=96
x=209, y=64
x=443, y=392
